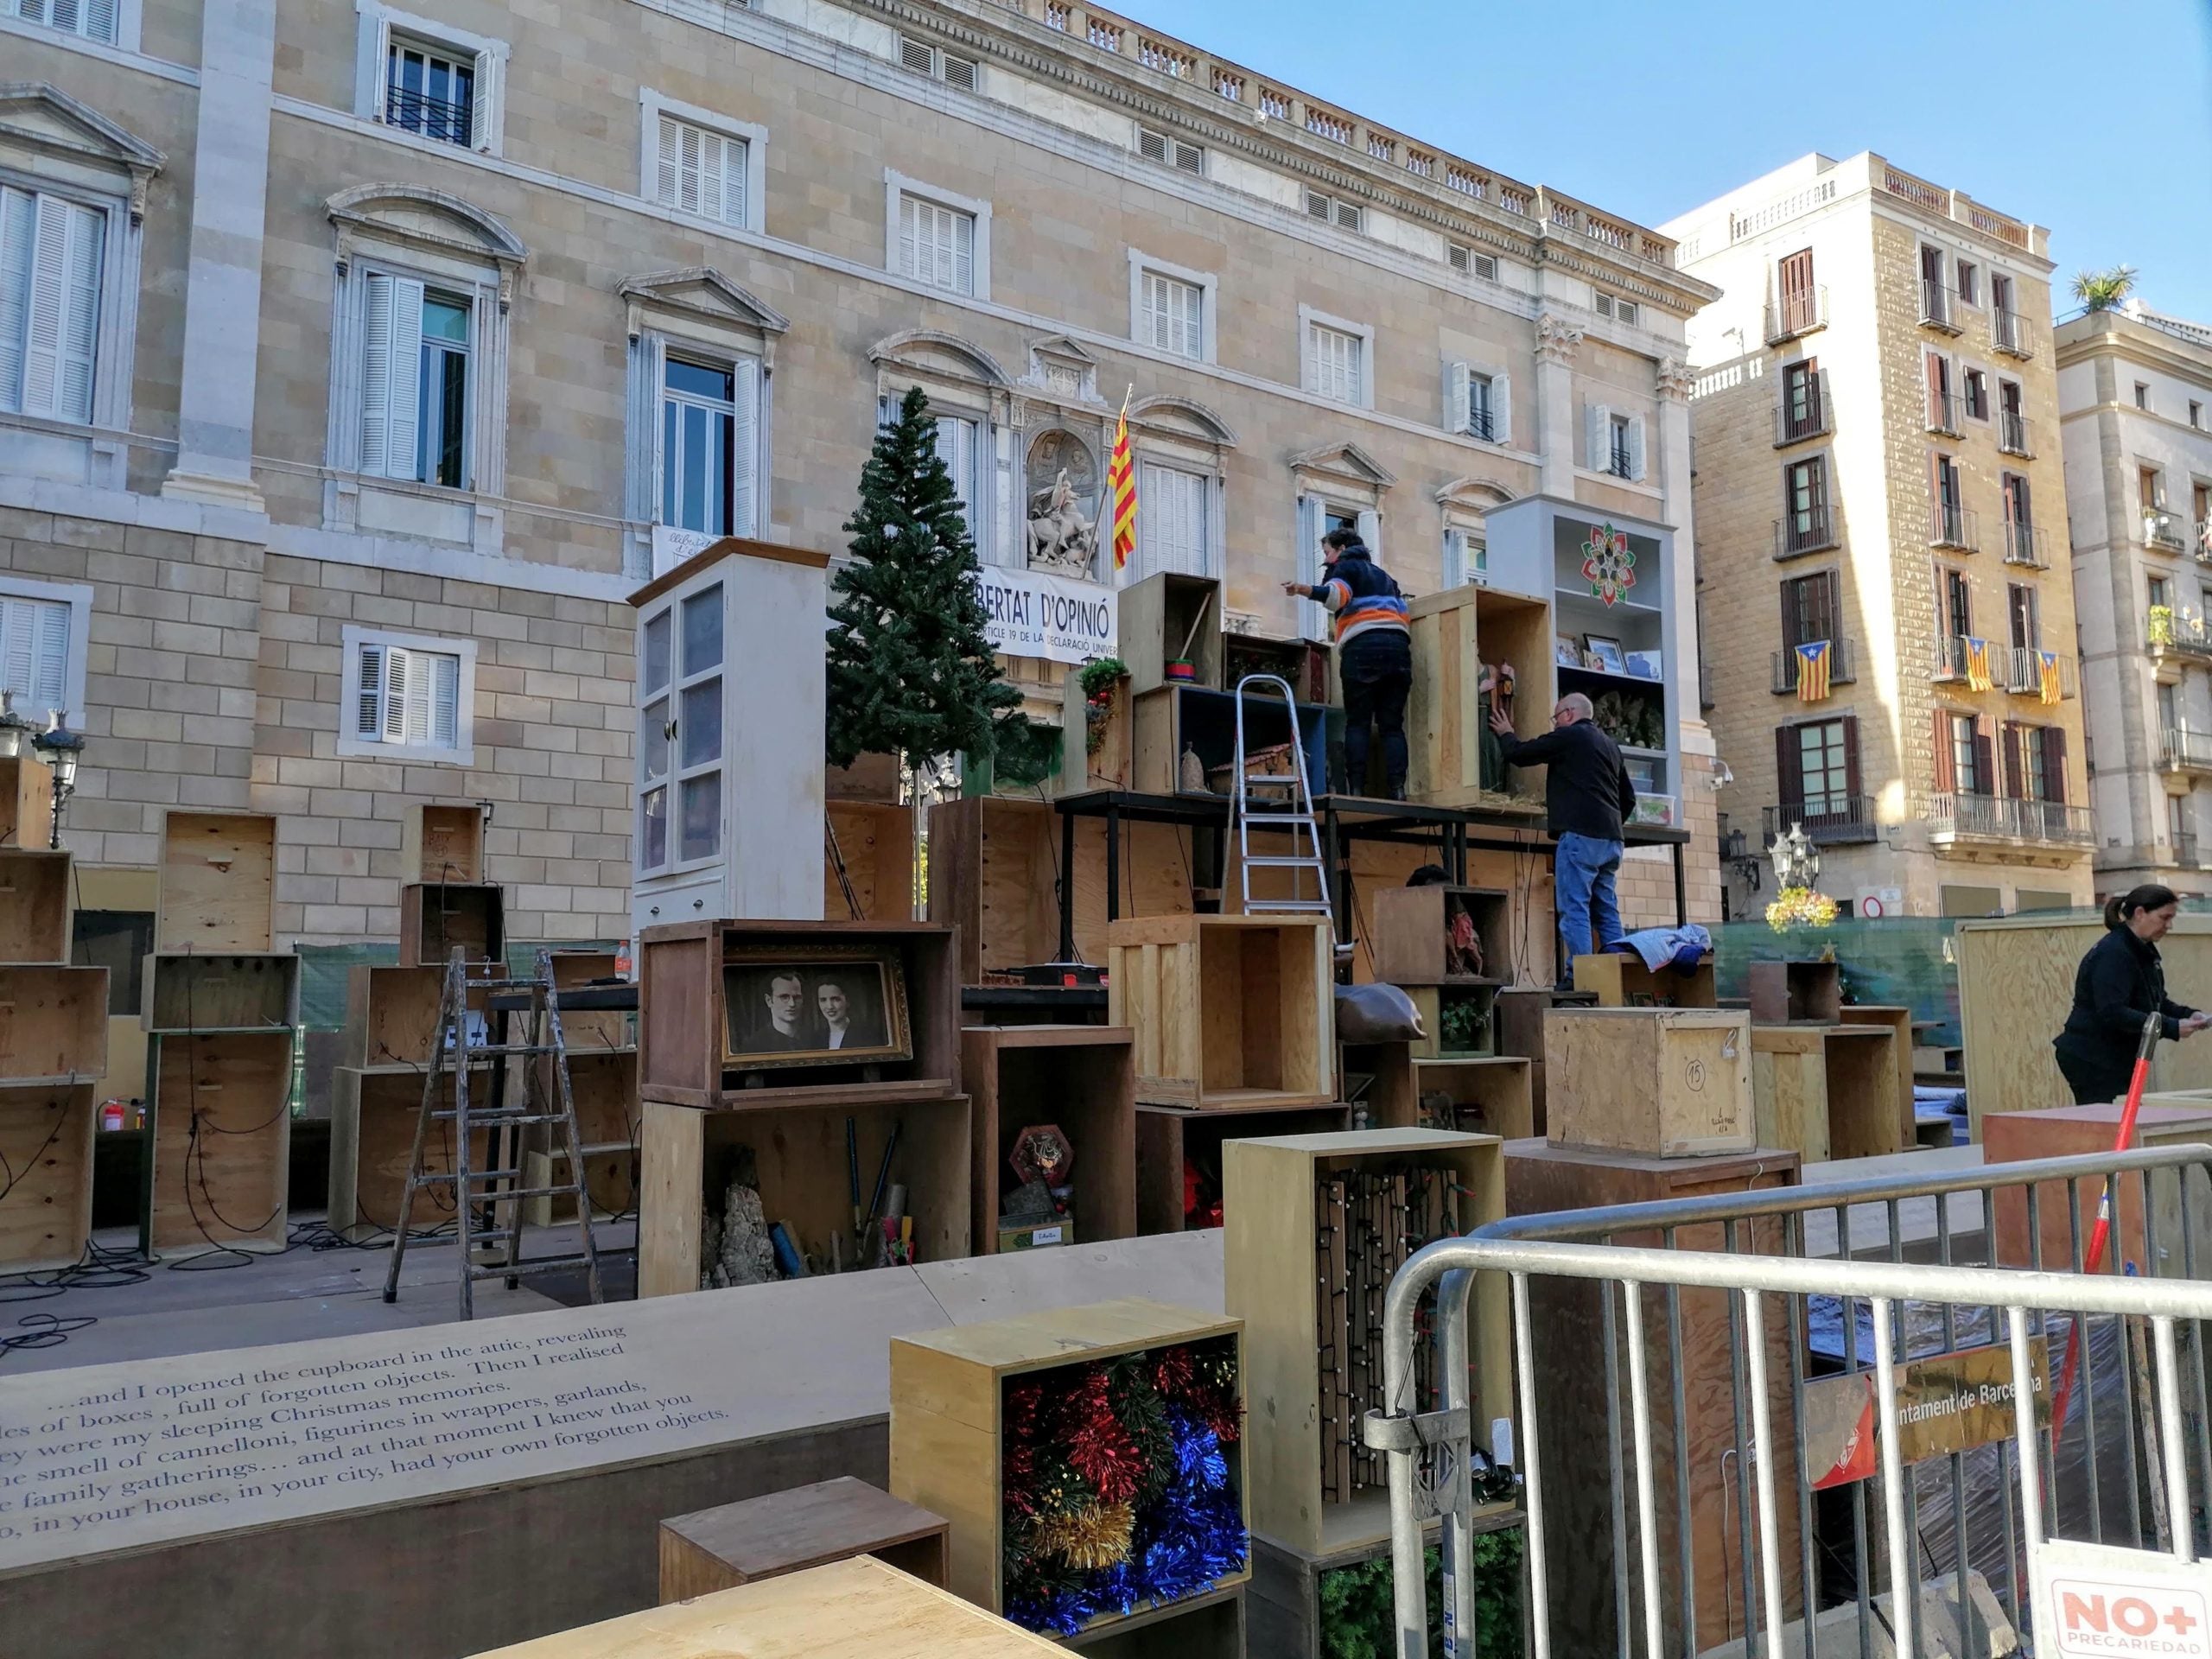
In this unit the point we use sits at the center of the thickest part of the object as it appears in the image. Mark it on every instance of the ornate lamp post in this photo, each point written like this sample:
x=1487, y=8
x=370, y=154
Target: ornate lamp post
x=1796, y=860
x=61, y=749
x=15, y=730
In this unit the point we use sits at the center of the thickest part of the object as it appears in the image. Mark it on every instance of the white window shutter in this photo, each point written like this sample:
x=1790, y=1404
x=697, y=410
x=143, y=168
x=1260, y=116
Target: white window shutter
x=744, y=442
x=1370, y=531
x=483, y=112
x=80, y=322
x=1636, y=448
x=963, y=234
x=1312, y=618
x=18, y=212
x=1599, y=436
x=391, y=376
x=910, y=227
x=375, y=68
x=667, y=157
x=445, y=701
x=1455, y=558
x=368, y=709
x=1501, y=408
x=734, y=207
x=99, y=21
x=422, y=684
x=1455, y=397
x=50, y=657
x=49, y=304
x=396, y=676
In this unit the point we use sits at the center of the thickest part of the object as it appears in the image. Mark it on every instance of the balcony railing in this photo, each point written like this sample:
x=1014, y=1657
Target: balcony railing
x=1943, y=412
x=442, y=118
x=1827, y=820
x=1950, y=663
x=1803, y=532
x=2013, y=433
x=2184, y=750
x=2008, y=333
x=2186, y=850
x=2166, y=634
x=1795, y=422
x=2163, y=529
x=2026, y=545
x=1482, y=423
x=1618, y=461
x=1999, y=817
x=1953, y=526
x=1938, y=306
x=1843, y=666
x=2201, y=545
x=1796, y=313
x=2022, y=667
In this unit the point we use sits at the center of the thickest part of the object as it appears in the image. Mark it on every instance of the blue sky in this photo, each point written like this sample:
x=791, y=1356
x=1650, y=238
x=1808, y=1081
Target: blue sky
x=2093, y=120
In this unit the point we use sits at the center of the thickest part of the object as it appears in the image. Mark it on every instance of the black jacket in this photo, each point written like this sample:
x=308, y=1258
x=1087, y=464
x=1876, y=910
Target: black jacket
x=2118, y=983
x=1586, y=787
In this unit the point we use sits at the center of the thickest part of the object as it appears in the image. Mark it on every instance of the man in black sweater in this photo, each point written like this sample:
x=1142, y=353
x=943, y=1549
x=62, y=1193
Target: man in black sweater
x=1586, y=794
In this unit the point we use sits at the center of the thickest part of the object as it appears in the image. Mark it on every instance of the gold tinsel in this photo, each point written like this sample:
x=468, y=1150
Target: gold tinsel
x=1095, y=1537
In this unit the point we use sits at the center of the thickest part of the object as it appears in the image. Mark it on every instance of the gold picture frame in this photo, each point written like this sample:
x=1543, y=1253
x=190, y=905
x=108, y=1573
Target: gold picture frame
x=781, y=1003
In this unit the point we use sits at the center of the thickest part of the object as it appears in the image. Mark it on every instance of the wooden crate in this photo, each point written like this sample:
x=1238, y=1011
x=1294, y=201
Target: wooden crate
x=1898, y=1022
x=1786, y=991
x=53, y=1022
x=435, y=916
x=1228, y=1011
x=34, y=907
x=1210, y=1626
x=1081, y=1077
x=1377, y=1080
x=1446, y=712
x=790, y=1531
x=857, y=1609
x=687, y=1156
x=1112, y=764
x=2076, y=1131
x=1827, y=1091
x=1271, y=1286
x=1169, y=616
x=442, y=842
x=1432, y=1002
x=948, y=1389
x=1621, y=981
x=1521, y=1010
x=221, y=1137
x=1170, y=718
x=1412, y=925
x=1669, y=1083
x=372, y=1115
x=26, y=801
x=594, y=1030
x=46, y=1139
x=683, y=1018
x=1283, y=1601
x=218, y=882
x=995, y=874
x=392, y=1013
x=1491, y=1097
x=1171, y=1139
x=1567, y=1324
x=221, y=993
x=603, y=1084
x=876, y=841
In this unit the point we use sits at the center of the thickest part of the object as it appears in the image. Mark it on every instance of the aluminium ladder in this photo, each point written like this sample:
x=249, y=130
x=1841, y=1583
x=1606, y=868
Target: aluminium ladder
x=1284, y=803
x=545, y=1099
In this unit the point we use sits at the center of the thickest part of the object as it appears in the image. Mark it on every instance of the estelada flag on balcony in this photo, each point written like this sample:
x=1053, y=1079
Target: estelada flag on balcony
x=2047, y=678
x=1122, y=490
x=1978, y=665
x=1813, y=671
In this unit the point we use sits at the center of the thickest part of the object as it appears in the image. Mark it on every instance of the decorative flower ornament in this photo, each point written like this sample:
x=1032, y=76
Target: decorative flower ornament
x=1607, y=564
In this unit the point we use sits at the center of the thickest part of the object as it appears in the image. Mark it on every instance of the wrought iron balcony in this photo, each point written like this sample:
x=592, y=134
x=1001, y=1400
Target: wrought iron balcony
x=1943, y=412
x=2013, y=433
x=1938, y=306
x=447, y=120
x=2168, y=635
x=2163, y=529
x=2008, y=333
x=1807, y=420
x=2183, y=750
x=1953, y=526
x=2201, y=543
x=1802, y=532
x=1482, y=423
x=1843, y=666
x=1827, y=820
x=2186, y=850
x=2022, y=670
x=1999, y=817
x=2026, y=545
x=1796, y=313
x=1618, y=461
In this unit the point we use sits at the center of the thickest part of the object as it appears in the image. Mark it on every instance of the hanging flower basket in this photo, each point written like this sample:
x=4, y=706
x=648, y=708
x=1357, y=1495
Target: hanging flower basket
x=1800, y=907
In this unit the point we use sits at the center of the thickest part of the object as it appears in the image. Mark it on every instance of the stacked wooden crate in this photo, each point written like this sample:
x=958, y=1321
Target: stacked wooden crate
x=1826, y=1076
x=221, y=1016
x=391, y=1032
x=603, y=1085
x=1451, y=950
x=52, y=1038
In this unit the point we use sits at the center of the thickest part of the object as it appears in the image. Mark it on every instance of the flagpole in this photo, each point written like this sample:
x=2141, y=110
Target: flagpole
x=1098, y=506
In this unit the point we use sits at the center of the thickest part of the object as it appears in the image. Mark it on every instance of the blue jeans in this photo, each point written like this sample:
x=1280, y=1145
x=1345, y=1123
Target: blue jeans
x=1582, y=879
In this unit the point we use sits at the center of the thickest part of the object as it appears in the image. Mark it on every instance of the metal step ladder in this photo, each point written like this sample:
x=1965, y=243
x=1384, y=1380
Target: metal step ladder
x=498, y=1191
x=1283, y=804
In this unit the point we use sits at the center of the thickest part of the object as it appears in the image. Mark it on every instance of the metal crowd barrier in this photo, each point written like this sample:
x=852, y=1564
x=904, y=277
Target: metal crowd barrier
x=1863, y=1234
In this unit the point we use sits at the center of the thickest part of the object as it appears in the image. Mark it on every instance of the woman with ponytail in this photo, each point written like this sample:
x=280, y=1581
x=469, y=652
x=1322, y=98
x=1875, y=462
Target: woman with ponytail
x=2118, y=985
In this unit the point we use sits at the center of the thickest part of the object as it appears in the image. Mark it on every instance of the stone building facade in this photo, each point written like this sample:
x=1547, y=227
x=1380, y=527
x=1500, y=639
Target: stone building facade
x=2135, y=401
x=1879, y=481
x=375, y=356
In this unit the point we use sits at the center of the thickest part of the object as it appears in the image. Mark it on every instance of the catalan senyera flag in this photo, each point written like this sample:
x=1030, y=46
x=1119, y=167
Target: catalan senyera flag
x=1122, y=491
x=1978, y=664
x=2047, y=678
x=1813, y=671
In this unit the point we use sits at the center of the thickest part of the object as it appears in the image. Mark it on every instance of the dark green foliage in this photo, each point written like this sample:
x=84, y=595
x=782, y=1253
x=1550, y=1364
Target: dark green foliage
x=1102, y=672
x=910, y=671
x=1357, y=1621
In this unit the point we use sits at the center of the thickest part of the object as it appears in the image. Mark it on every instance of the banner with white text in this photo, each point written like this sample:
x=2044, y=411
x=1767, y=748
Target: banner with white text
x=1027, y=613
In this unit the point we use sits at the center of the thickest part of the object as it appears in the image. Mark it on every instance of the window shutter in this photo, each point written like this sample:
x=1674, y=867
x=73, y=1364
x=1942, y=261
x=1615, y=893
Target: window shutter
x=376, y=50
x=445, y=702
x=1636, y=448
x=1984, y=770
x=396, y=688
x=667, y=161
x=910, y=230
x=1455, y=558
x=1947, y=782
x=48, y=291
x=1370, y=531
x=18, y=214
x=1501, y=408
x=915, y=55
x=1456, y=393
x=2054, y=763
x=391, y=376
x=482, y=113
x=368, y=711
x=2015, y=773
x=1313, y=617
x=734, y=206
x=422, y=673
x=1789, y=773
x=963, y=258
x=745, y=445
x=1597, y=421
x=1851, y=755
x=376, y=376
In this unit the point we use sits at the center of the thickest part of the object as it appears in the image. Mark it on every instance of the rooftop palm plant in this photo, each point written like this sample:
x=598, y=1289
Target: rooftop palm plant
x=2103, y=291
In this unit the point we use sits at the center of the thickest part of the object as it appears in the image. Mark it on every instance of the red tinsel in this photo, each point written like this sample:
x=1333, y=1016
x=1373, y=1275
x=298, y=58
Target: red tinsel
x=1020, y=1440
x=1099, y=1448
x=1174, y=1372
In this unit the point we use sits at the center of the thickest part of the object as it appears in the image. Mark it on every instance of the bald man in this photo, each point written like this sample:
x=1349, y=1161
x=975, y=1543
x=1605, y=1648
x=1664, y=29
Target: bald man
x=1587, y=795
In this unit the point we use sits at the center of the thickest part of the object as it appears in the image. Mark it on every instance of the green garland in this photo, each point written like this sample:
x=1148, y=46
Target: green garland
x=1357, y=1620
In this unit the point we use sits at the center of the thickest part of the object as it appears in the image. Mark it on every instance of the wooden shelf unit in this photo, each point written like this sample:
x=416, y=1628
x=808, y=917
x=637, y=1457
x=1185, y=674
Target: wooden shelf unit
x=603, y=1084
x=1112, y=764
x=220, y=1128
x=218, y=889
x=26, y=801
x=792, y=1530
x=1785, y=992
x=1495, y=1092
x=876, y=841
x=683, y=1018
x=592, y=1030
x=392, y=1013
x=688, y=1155
x=1621, y=981
x=1210, y=1626
x=1081, y=1077
x=1447, y=712
x=1413, y=924
x=1432, y=1002
x=1377, y=1079
x=1664, y=1082
x=373, y=1114
x=210, y=993
x=2073, y=1131
x=1283, y=1601
x=1171, y=1138
x=1228, y=1011
x=1171, y=718
x=1521, y=1010
x=53, y=1022
x=442, y=842
x=435, y=916
x=948, y=1394
x=35, y=904
x=1827, y=1091
x=1270, y=1264
x=1154, y=620
x=46, y=1138
x=1898, y=1022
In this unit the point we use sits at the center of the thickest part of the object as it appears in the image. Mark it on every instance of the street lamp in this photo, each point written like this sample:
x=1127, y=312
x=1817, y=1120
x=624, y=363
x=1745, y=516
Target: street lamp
x=15, y=730
x=1796, y=860
x=61, y=749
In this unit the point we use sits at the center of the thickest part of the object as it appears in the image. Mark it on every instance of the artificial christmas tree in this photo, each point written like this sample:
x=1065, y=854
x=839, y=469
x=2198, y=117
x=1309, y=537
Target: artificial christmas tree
x=911, y=671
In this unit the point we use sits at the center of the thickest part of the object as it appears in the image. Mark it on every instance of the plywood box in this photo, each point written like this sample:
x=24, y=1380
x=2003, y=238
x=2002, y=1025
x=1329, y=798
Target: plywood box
x=218, y=882
x=1491, y=1096
x=46, y=1147
x=948, y=1391
x=221, y=993
x=26, y=801
x=436, y=916
x=1784, y=991
x=1210, y=1626
x=372, y=1116
x=1080, y=1077
x=34, y=905
x=1621, y=981
x=53, y=1022
x=1827, y=1091
x=1412, y=928
x=392, y=1013
x=790, y=1531
x=1898, y=1022
x=1175, y=719
x=1180, y=1154
x=441, y=843
x=221, y=1137
x=1167, y=617
x=875, y=840
x=1228, y=1011
x=603, y=1085
x=1112, y=763
x=1454, y=633
x=587, y=1030
x=1668, y=1082
x=1460, y=1020
x=1270, y=1264
x=1520, y=1011
x=2064, y=1221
